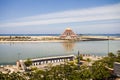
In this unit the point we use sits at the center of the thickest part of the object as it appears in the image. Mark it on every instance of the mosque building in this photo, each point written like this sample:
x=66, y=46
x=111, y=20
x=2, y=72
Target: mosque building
x=68, y=35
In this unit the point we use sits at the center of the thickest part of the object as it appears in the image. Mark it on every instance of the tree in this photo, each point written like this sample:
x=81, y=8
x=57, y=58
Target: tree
x=88, y=60
x=85, y=72
x=118, y=56
x=28, y=62
x=81, y=57
x=12, y=76
x=111, y=55
x=99, y=71
x=3, y=76
x=118, y=53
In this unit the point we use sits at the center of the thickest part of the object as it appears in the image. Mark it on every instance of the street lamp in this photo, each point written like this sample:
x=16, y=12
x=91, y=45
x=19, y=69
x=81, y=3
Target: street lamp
x=78, y=59
x=108, y=44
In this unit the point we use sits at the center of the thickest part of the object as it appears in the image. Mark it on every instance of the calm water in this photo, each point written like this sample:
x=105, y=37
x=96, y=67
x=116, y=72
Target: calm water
x=11, y=52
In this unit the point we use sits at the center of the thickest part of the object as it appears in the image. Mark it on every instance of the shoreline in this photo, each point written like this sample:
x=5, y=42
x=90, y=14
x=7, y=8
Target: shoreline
x=12, y=39
x=46, y=41
x=32, y=41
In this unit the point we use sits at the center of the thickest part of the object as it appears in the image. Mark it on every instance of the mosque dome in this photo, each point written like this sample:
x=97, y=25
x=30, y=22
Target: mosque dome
x=68, y=28
x=68, y=34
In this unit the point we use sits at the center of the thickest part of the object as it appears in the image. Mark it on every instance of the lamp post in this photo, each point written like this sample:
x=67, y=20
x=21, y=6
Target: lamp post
x=108, y=44
x=78, y=59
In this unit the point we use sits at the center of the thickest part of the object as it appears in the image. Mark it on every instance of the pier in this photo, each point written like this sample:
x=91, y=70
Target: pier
x=40, y=61
x=46, y=60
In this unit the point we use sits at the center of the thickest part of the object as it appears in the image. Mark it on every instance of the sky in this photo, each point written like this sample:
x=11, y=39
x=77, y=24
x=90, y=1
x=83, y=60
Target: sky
x=54, y=16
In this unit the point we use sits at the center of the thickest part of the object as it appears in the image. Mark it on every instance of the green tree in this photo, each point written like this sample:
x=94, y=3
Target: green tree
x=118, y=53
x=85, y=72
x=99, y=71
x=12, y=76
x=28, y=62
x=3, y=76
x=16, y=76
x=111, y=55
x=88, y=60
x=81, y=57
x=118, y=56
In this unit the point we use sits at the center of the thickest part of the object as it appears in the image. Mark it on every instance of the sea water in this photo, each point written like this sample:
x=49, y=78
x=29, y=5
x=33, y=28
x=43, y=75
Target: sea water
x=13, y=51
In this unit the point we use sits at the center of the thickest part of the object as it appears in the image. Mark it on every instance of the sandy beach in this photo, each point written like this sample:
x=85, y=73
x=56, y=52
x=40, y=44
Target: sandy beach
x=8, y=39
x=31, y=41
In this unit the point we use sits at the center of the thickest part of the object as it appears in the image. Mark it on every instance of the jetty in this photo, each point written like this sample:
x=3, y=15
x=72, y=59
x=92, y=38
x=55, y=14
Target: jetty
x=46, y=60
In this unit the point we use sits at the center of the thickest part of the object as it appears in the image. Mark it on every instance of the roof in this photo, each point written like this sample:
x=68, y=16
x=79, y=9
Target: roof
x=68, y=29
x=52, y=57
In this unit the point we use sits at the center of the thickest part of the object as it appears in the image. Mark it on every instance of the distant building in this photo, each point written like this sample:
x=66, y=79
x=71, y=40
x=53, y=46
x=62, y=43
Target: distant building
x=117, y=69
x=68, y=34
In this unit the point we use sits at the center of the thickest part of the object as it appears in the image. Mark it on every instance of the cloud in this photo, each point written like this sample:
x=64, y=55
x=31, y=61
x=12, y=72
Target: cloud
x=110, y=12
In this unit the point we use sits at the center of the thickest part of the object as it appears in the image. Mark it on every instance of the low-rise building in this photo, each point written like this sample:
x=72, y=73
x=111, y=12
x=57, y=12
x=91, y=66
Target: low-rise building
x=117, y=69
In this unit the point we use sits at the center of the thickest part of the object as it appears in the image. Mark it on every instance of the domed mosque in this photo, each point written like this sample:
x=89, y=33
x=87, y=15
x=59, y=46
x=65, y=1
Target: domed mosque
x=68, y=34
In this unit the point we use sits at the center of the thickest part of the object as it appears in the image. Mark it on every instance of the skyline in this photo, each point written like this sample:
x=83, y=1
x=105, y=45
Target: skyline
x=95, y=17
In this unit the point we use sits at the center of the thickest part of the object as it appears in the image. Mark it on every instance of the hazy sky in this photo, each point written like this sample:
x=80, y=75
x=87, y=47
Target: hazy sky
x=53, y=16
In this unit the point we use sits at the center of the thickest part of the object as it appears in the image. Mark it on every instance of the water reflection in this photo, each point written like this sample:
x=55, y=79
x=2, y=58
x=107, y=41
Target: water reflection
x=68, y=46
